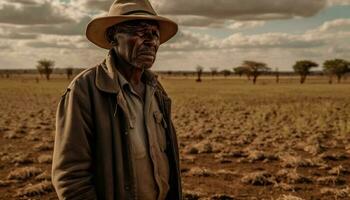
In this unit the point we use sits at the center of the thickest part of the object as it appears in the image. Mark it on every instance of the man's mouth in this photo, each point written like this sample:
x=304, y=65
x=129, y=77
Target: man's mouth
x=150, y=53
x=147, y=54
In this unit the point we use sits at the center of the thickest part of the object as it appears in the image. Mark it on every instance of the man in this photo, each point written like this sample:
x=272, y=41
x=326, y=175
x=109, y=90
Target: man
x=114, y=134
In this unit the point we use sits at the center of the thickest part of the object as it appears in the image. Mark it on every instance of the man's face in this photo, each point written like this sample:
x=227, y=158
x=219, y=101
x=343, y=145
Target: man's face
x=137, y=43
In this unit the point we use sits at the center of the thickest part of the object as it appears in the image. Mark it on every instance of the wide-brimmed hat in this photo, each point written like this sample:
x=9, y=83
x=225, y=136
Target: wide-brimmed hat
x=126, y=10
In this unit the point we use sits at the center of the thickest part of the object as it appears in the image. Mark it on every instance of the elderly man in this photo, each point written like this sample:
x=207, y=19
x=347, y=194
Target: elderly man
x=114, y=134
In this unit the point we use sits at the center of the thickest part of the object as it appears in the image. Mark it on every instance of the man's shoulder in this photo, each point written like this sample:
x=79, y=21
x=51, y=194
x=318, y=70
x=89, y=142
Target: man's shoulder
x=84, y=78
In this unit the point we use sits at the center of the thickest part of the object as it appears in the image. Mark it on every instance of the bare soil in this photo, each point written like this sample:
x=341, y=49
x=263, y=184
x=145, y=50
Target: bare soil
x=237, y=141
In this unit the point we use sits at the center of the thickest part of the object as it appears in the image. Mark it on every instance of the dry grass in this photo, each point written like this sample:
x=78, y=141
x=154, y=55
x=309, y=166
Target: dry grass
x=338, y=170
x=222, y=197
x=243, y=141
x=336, y=193
x=23, y=173
x=330, y=181
x=22, y=159
x=35, y=190
x=43, y=176
x=45, y=158
x=289, y=197
x=196, y=171
x=293, y=177
x=262, y=178
x=192, y=195
x=45, y=146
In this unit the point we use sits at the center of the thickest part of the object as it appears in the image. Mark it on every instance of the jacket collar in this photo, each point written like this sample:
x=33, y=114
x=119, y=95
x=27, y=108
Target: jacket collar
x=107, y=77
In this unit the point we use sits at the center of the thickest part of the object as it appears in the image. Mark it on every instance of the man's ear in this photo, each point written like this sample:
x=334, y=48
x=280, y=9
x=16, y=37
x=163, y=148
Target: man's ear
x=113, y=40
x=110, y=36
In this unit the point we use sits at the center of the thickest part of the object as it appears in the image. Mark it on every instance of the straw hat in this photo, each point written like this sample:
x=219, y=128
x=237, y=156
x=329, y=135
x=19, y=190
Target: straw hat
x=125, y=10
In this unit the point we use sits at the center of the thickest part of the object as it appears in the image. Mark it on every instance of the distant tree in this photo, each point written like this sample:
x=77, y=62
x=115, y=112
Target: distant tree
x=69, y=72
x=240, y=70
x=302, y=68
x=7, y=74
x=214, y=72
x=336, y=67
x=226, y=72
x=199, y=70
x=40, y=70
x=255, y=69
x=277, y=73
x=45, y=67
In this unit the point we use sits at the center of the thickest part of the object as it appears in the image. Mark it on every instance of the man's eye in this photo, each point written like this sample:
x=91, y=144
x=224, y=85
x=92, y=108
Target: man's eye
x=140, y=33
x=156, y=33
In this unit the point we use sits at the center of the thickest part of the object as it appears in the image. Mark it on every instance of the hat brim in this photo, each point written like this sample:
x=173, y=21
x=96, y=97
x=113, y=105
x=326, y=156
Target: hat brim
x=96, y=29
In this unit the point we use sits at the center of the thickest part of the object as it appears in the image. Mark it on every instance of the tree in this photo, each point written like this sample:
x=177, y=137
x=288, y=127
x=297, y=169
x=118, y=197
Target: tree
x=7, y=72
x=240, y=70
x=214, y=72
x=226, y=72
x=199, y=70
x=45, y=67
x=337, y=67
x=184, y=74
x=255, y=69
x=303, y=67
x=69, y=72
x=277, y=74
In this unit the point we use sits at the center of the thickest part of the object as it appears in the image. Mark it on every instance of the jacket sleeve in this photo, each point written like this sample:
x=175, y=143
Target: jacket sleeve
x=72, y=175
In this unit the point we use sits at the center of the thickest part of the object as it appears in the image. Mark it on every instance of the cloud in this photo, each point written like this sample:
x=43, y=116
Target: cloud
x=207, y=22
x=335, y=26
x=197, y=21
x=270, y=40
x=97, y=5
x=26, y=36
x=213, y=13
x=339, y=49
x=29, y=12
x=5, y=45
x=189, y=41
x=74, y=28
x=330, y=33
x=338, y=2
x=61, y=42
x=7, y=32
x=246, y=25
x=235, y=9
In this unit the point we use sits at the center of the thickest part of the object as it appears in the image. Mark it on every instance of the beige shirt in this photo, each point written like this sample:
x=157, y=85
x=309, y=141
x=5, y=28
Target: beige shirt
x=148, y=142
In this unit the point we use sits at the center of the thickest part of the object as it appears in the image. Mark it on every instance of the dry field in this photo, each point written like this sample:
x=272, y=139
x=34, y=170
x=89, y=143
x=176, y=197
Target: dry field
x=237, y=141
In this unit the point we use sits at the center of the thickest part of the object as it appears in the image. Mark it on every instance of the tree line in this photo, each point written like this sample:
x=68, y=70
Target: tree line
x=335, y=68
x=253, y=69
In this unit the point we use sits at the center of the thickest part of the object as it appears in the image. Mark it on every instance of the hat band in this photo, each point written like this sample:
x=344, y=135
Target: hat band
x=140, y=12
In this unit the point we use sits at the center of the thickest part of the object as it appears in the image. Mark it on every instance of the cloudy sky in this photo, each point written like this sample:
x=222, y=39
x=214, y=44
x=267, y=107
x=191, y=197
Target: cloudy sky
x=213, y=33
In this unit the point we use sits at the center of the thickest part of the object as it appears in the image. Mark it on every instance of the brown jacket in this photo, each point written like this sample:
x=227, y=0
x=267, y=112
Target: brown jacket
x=91, y=158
